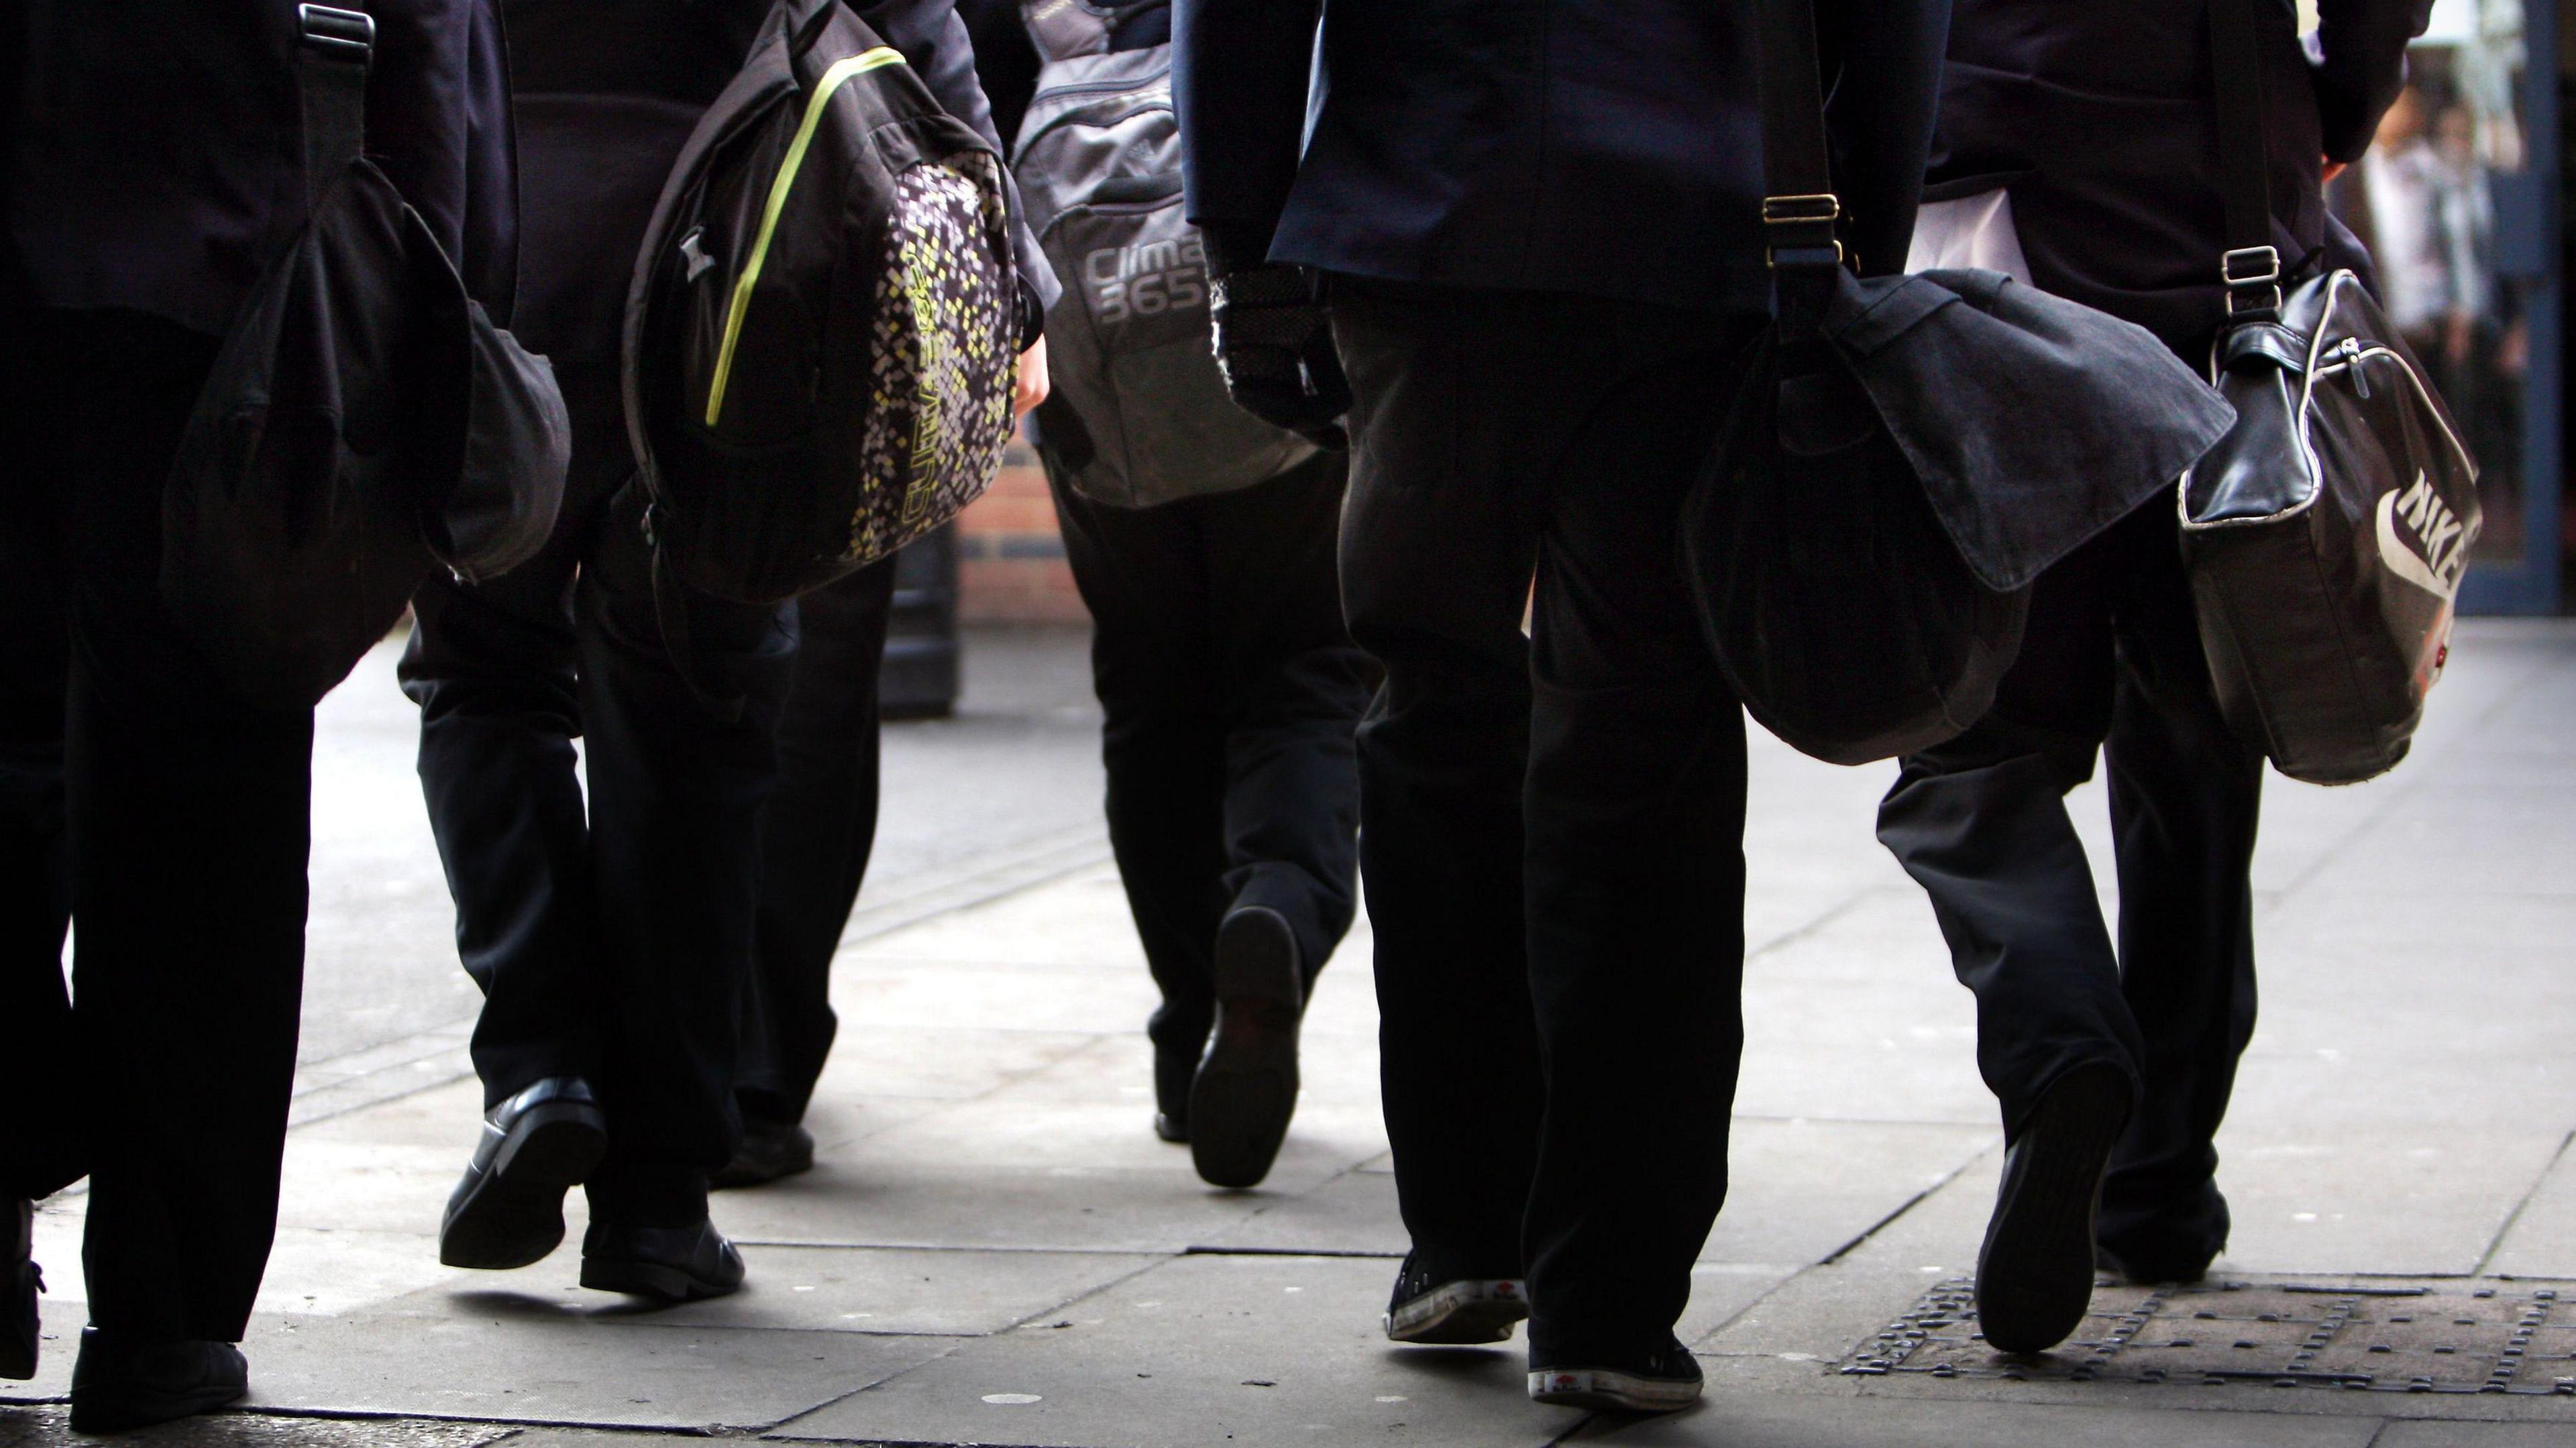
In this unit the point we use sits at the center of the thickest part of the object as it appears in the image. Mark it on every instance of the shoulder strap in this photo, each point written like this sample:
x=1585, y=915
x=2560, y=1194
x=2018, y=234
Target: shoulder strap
x=1799, y=207
x=1063, y=29
x=332, y=53
x=2251, y=267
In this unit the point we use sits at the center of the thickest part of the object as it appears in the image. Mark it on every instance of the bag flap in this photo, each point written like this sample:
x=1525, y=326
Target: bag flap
x=2034, y=422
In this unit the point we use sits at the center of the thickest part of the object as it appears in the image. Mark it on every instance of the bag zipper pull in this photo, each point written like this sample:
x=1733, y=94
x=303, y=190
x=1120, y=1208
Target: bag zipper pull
x=2351, y=350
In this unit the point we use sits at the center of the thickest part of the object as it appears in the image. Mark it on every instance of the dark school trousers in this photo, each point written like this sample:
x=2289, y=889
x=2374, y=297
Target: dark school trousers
x=1551, y=826
x=1230, y=690
x=2112, y=662
x=816, y=833
x=611, y=933
x=169, y=821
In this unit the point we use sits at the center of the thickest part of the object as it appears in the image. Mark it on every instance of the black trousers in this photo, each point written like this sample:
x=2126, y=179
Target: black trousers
x=2112, y=661
x=1230, y=689
x=1552, y=827
x=169, y=821
x=816, y=832
x=611, y=931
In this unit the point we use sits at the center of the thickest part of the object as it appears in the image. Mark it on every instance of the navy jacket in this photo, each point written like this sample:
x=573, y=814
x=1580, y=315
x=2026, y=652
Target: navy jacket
x=155, y=160
x=1603, y=147
x=2098, y=115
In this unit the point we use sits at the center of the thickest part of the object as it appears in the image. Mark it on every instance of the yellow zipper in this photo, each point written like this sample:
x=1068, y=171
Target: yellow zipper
x=841, y=70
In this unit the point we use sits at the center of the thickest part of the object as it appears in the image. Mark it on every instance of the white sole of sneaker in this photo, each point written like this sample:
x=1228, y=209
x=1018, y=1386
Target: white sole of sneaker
x=1464, y=1312
x=1604, y=1389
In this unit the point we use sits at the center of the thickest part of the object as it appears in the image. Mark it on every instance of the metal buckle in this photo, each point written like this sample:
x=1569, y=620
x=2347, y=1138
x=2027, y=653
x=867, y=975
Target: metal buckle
x=1803, y=228
x=338, y=34
x=2246, y=268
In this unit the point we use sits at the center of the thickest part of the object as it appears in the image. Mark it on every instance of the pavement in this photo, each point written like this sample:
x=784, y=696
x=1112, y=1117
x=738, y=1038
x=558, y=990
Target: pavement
x=996, y=1250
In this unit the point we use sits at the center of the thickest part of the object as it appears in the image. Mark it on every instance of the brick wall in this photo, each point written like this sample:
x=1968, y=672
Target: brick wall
x=1010, y=558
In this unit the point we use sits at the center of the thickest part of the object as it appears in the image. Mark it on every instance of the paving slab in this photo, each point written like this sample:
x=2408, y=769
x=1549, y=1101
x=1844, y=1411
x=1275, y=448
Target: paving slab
x=965, y=1198
x=1258, y=1350
x=51, y=1428
x=505, y=1356
x=864, y=1289
x=2395, y=1203
x=2426, y=1434
x=1803, y=1189
x=1768, y=1421
x=2542, y=1240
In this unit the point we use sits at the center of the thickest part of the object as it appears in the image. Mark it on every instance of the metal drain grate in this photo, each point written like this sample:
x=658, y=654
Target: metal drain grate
x=2445, y=1337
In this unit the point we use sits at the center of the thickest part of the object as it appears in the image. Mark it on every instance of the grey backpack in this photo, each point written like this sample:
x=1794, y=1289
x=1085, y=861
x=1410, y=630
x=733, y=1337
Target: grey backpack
x=1139, y=415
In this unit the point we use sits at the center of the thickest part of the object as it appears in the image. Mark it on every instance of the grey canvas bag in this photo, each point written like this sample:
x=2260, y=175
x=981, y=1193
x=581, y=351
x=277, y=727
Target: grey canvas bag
x=1139, y=415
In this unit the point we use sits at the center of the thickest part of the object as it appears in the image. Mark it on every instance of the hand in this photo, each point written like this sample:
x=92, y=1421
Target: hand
x=1032, y=386
x=1274, y=345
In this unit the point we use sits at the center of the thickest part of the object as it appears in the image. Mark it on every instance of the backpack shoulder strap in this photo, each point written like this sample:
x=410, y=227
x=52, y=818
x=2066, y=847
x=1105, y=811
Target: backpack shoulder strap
x=1063, y=29
x=2251, y=266
x=333, y=50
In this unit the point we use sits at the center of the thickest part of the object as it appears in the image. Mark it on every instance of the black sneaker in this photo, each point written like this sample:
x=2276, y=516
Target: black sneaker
x=671, y=1265
x=118, y=1384
x=2035, y=1272
x=1246, y=1087
x=20, y=1281
x=2163, y=1269
x=508, y=1210
x=1458, y=1312
x=1665, y=1383
x=769, y=1150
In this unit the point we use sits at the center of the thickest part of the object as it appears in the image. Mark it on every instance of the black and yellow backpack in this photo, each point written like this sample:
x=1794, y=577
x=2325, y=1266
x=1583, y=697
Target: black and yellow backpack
x=823, y=325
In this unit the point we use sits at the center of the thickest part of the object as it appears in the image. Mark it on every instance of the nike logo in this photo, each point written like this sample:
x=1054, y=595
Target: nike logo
x=2435, y=530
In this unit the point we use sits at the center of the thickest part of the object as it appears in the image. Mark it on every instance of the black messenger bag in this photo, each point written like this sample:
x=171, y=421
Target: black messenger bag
x=363, y=423
x=1904, y=457
x=2326, y=534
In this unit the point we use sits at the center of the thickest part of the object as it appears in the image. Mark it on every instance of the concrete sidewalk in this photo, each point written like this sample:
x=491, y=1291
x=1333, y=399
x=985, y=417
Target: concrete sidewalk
x=996, y=1250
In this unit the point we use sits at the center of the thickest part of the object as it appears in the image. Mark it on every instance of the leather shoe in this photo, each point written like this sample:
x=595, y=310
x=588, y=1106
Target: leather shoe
x=1246, y=1087
x=19, y=1284
x=2035, y=1272
x=539, y=1144
x=119, y=1384
x=671, y=1265
x=769, y=1150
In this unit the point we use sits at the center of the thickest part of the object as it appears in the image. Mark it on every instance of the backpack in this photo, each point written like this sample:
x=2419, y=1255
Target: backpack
x=823, y=325
x=1139, y=414
x=363, y=422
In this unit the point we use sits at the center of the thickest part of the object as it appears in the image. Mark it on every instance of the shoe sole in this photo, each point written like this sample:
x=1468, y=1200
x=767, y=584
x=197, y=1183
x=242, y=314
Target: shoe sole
x=666, y=1284
x=1603, y=1390
x=1246, y=1086
x=1460, y=1314
x=160, y=1409
x=2035, y=1271
x=514, y=1215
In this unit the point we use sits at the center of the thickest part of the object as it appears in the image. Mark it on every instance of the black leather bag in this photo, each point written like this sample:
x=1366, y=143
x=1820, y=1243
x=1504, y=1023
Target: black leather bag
x=363, y=423
x=1905, y=455
x=2326, y=534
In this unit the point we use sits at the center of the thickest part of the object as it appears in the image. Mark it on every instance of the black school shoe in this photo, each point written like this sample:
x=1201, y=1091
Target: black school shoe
x=19, y=1284
x=671, y=1265
x=2035, y=1271
x=1246, y=1086
x=769, y=1150
x=1455, y=1312
x=117, y=1384
x=539, y=1144
x=1665, y=1383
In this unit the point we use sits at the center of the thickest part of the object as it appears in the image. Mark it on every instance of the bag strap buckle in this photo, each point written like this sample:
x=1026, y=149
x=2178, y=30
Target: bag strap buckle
x=2242, y=271
x=1799, y=230
x=344, y=35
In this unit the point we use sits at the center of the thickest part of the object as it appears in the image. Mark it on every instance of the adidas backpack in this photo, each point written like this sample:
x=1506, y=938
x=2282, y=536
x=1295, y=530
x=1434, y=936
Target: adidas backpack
x=823, y=327
x=1139, y=414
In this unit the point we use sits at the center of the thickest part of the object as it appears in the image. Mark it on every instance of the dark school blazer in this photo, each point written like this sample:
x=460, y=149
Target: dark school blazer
x=1607, y=147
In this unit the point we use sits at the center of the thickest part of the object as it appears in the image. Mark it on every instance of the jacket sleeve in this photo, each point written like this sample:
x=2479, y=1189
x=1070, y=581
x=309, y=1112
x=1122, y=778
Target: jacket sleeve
x=438, y=122
x=2364, y=66
x=933, y=39
x=1886, y=57
x=1240, y=70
